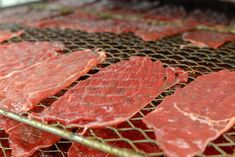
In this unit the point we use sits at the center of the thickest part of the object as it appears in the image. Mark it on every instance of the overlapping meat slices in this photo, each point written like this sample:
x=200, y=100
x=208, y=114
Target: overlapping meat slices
x=5, y=35
x=88, y=23
x=207, y=38
x=47, y=78
x=114, y=94
x=17, y=56
x=93, y=24
x=186, y=121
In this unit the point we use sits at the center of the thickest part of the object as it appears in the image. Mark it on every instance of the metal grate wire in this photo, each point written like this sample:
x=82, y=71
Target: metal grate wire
x=196, y=61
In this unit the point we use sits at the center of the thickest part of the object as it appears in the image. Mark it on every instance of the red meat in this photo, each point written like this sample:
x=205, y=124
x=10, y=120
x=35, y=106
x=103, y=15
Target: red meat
x=114, y=94
x=207, y=39
x=93, y=24
x=206, y=17
x=5, y=35
x=165, y=13
x=47, y=78
x=186, y=121
x=25, y=140
x=78, y=150
x=17, y=56
x=87, y=22
x=156, y=32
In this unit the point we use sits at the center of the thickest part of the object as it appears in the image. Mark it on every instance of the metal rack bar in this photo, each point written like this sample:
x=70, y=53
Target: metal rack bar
x=70, y=136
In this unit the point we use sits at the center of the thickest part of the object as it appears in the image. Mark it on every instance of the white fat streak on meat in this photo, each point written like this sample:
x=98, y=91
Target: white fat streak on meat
x=199, y=143
x=225, y=124
x=53, y=47
x=181, y=143
x=215, y=127
x=205, y=120
x=17, y=71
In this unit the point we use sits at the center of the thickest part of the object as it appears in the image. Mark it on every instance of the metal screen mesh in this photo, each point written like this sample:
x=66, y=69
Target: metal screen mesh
x=133, y=134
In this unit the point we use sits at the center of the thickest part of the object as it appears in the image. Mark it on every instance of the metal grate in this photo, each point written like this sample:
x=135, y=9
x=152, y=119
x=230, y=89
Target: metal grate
x=133, y=134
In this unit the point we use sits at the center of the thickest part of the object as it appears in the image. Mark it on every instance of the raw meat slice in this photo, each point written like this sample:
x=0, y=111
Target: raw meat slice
x=207, y=38
x=25, y=140
x=14, y=51
x=155, y=32
x=165, y=13
x=185, y=122
x=206, y=17
x=114, y=94
x=17, y=56
x=47, y=78
x=5, y=35
x=78, y=150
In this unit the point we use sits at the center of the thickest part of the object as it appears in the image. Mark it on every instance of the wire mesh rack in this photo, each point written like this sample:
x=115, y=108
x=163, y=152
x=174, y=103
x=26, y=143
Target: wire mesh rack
x=133, y=134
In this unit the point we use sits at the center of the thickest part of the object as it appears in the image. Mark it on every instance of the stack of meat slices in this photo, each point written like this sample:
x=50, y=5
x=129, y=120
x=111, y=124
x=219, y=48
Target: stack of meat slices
x=16, y=57
x=46, y=79
x=32, y=72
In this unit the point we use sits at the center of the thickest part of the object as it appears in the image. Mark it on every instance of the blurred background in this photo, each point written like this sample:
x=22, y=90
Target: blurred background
x=7, y=3
x=122, y=29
